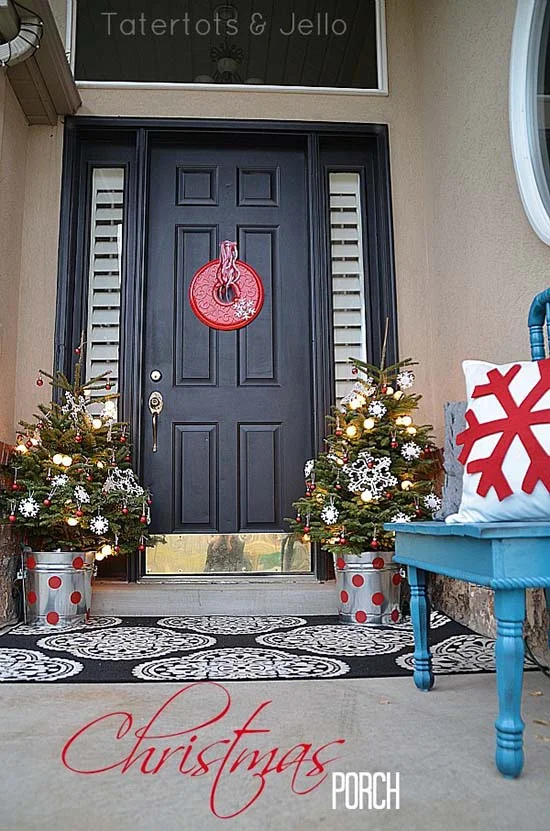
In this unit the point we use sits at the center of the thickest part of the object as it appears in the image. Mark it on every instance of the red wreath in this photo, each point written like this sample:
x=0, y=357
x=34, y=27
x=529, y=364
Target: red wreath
x=226, y=293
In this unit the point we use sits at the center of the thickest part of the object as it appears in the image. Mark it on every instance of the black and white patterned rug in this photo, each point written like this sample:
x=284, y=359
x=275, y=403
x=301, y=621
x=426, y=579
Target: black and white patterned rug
x=232, y=648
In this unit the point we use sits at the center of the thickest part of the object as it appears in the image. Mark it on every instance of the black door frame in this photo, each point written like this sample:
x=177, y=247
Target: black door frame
x=124, y=142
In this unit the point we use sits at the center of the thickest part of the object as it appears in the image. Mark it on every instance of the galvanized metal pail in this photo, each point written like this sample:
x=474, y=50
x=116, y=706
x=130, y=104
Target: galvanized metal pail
x=369, y=588
x=58, y=586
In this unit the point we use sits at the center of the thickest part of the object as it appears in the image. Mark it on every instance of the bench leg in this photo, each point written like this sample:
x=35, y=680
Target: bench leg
x=420, y=614
x=510, y=614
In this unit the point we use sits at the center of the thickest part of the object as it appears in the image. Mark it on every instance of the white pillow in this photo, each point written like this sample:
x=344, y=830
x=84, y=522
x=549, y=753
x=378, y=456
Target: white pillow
x=506, y=465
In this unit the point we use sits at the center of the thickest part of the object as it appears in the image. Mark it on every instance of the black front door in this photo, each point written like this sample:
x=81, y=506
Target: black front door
x=236, y=425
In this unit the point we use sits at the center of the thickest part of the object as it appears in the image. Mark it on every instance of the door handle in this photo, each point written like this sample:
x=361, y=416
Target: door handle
x=156, y=403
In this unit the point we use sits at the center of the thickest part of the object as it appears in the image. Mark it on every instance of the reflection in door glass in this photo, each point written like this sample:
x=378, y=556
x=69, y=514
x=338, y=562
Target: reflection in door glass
x=228, y=554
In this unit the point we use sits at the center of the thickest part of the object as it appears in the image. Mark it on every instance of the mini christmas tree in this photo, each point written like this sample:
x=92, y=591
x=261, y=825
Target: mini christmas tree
x=379, y=466
x=73, y=485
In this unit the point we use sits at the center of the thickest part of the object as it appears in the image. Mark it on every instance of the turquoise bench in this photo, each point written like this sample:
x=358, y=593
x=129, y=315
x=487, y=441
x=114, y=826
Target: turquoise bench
x=508, y=557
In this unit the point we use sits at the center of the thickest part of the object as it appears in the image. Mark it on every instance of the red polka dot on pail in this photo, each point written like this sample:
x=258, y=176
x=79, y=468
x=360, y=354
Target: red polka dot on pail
x=54, y=582
x=360, y=616
x=340, y=562
x=344, y=596
x=396, y=579
x=52, y=617
x=395, y=615
x=377, y=598
x=357, y=580
x=31, y=597
x=76, y=597
x=78, y=562
x=378, y=562
x=31, y=562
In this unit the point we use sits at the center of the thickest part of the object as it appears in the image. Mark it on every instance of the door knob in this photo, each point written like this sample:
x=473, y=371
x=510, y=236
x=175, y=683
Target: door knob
x=156, y=404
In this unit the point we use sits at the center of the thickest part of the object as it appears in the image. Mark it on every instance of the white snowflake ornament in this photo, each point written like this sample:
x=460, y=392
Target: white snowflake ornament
x=330, y=513
x=124, y=482
x=244, y=309
x=367, y=473
x=74, y=406
x=59, y=481
x=29, y=507
x=99, y=525
x=308, y=468
x=401, y=517
x=377, y=409
x=405, y=379
x=411, y=451
x=432, y=502
x=81, y=495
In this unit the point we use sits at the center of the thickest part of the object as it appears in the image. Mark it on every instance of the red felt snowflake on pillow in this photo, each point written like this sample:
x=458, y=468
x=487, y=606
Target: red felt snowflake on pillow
x=518, y=422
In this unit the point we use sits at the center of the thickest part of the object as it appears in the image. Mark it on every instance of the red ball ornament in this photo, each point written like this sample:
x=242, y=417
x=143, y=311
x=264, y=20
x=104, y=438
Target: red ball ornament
x=28, y=444
x=77, y=350
x=80, y=512
x=394, y=444
x=15, y=486
x=122, y=439
x=40, y=426
x=78, y=438
x=370, y=464
x=108, y=386
x=125, y=510
x=141, y=547
x=128, y=458
x=338, y=431
x=143, y=519
x=299, y=519
x=384, y=389
x=47, y=502
x=354, y=370
x=149, y=501
x=375, y=544
x=117, y=549
x=12, y=518
x=307, y=529
x=388, y=494
x=89, y=477
x=39, y=382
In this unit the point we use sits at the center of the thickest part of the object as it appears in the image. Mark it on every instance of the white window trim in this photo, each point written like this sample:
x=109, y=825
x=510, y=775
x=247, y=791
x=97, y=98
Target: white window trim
x=381, y=52
x=522, y=97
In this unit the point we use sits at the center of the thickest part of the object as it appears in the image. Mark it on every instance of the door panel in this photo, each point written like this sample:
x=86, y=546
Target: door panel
x=236, y=425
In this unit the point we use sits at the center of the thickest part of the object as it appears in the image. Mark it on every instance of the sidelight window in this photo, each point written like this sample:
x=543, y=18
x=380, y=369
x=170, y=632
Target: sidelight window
x=104, y=275
x=348, y=277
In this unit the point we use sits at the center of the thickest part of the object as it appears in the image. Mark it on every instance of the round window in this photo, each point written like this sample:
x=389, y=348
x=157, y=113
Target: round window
x=530, y=110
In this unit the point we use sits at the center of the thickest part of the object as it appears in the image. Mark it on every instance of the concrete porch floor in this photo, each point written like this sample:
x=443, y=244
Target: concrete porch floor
x=201, y=598
x=442, y=743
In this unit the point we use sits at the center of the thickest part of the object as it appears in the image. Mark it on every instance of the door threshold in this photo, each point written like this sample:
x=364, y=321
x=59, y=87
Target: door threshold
x=233, y=580
x=151, y=597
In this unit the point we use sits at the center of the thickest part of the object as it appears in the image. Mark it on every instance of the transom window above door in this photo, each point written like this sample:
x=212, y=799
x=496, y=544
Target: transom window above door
x=339, y=44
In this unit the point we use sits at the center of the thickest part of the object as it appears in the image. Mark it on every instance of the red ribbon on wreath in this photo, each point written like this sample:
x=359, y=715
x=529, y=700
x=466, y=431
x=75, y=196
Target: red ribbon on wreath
x=226, y=293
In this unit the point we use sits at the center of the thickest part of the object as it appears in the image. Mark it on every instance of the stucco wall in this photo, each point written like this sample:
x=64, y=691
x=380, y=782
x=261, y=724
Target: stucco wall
x=485, y=261
x=40, y=237
x=13, y=147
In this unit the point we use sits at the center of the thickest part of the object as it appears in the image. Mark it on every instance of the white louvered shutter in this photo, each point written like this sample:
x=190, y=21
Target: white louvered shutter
x=104, y=286
x=348, y=277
